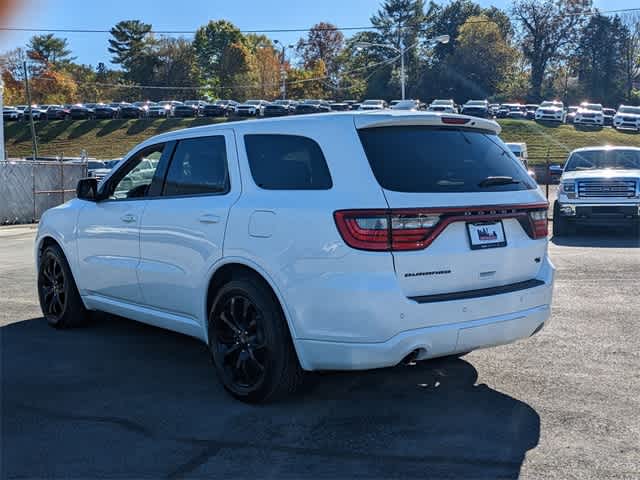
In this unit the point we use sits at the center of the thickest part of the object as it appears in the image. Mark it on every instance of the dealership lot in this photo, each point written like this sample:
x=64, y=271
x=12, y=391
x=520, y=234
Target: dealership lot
x=123, y=399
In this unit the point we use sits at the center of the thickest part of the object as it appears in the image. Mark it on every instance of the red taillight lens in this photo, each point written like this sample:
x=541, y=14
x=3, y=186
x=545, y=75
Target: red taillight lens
x=539, y=223
x=383, y=230
x=364, y=229
x=416, y=229
x=454, y=120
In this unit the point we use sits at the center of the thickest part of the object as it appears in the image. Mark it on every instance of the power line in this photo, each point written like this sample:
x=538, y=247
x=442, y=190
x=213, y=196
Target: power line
x=285, y=30
x=245, y=86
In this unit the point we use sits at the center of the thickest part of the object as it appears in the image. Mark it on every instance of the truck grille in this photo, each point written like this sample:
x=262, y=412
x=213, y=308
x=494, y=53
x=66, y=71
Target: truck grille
x=607, y=188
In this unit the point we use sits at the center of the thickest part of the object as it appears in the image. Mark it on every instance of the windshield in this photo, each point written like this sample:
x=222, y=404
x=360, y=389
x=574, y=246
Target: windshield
x=252, y=102
x=618, y=159
x=432, y=159
x=95, y=164
x=633, y=110
x=372, y=102
x=476, y=103
x=592, y=106
x=552, y=104
x=442, y=102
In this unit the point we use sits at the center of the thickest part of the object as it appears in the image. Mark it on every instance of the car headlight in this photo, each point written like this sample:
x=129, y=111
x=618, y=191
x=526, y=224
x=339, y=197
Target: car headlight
x=568, y=188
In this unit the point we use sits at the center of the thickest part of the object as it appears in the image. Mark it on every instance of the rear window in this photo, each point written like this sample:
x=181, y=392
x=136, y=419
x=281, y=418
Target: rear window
x=287, y=162
x=425, y=159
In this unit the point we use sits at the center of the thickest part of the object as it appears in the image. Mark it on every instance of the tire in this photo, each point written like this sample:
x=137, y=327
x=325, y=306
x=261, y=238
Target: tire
x=57, y=292
x=250, y=344
x=561, y=225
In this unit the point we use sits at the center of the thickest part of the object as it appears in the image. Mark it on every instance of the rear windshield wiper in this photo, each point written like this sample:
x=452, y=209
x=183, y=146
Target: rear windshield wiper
x=491, y=181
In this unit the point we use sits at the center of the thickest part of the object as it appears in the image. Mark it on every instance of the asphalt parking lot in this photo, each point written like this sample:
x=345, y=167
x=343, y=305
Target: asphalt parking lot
x=120, y=399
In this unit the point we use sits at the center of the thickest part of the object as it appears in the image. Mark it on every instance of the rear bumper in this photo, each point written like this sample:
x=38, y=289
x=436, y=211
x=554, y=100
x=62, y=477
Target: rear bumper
x=398, y=326
x=429, y=342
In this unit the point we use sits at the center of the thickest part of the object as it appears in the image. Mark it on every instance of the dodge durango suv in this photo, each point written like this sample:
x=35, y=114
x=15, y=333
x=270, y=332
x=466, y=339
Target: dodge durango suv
x=320, y=242
x=600, y=186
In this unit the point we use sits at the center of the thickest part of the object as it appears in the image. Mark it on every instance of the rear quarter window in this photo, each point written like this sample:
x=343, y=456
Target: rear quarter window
x=287, y=162
x=424, y=159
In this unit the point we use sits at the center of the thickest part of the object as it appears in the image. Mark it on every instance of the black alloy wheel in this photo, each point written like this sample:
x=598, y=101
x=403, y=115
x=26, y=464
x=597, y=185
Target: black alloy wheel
x=250, y=344
x=239, y=347
x=53, y=287
x=59, y=298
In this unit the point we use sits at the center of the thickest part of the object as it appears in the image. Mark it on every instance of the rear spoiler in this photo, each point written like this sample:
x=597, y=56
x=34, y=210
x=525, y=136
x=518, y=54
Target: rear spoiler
x=434, y=119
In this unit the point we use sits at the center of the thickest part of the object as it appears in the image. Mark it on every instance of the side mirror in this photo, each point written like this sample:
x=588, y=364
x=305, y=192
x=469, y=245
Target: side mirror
x=87, y=189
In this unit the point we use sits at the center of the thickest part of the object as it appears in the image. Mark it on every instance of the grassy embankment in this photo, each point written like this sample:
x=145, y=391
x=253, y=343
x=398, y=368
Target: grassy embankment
x=112, y=138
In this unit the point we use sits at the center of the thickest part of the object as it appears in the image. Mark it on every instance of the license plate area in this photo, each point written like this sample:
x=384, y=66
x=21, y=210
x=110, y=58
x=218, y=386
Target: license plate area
x=484, y=235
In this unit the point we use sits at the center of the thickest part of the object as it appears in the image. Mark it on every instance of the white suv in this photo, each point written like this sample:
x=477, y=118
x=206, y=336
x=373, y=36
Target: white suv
x=627, y=118
x=589, y=114
x=550, y=111
x=600, y=186
x=331, y=241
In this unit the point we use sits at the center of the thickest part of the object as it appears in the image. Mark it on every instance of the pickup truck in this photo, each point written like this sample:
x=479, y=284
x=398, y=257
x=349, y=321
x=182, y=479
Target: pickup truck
x=600, y=187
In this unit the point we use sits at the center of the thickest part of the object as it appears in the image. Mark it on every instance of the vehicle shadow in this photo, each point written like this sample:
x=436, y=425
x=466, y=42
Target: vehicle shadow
x=123, y=399
x=599, y=239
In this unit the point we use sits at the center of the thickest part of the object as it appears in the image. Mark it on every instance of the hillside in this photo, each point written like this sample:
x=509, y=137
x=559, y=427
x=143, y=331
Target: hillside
x=112, y=138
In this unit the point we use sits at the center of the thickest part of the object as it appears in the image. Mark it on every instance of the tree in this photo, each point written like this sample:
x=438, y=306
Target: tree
x=304, y=83
x=264, y=67
x=49, y=50
x=133, y=47
x=631, y=53
x=481, y=59
x=222, y=56
x=601, y=69
x=400, y=24
x=548, y=27
x=175, y=67
x=323, y=42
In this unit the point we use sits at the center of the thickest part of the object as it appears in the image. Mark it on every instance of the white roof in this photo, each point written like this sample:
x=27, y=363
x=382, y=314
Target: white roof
x=361, y=119
x=604, y=148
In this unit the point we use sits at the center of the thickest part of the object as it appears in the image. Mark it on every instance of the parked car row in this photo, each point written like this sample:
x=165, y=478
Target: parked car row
x=627, y=117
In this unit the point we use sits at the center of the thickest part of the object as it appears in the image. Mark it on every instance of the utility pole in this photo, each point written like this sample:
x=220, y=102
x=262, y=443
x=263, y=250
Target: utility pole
x=2, y=153
x=34, y=140
x=283, y=72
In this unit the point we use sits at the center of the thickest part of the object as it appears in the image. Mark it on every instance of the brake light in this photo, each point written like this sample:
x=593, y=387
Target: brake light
x=454, y=120
x=416, y=229
x=384, y=230
x=539, y=223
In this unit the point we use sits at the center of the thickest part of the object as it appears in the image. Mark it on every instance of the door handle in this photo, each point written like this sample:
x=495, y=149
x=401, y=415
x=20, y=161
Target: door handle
x=128, y=218
x=209, y=218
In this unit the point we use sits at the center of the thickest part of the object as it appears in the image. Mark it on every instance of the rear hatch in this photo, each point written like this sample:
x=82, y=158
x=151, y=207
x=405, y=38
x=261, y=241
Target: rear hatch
x=463, y=213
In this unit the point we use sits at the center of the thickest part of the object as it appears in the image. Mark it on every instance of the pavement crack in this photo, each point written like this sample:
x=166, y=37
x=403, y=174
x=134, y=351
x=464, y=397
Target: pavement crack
x=124, y=423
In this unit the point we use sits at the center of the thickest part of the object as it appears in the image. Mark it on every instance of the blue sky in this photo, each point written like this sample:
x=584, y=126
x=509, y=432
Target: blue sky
x=190, y=14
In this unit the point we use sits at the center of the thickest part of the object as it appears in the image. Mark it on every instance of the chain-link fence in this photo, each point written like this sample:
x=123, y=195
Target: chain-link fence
x=29, y=188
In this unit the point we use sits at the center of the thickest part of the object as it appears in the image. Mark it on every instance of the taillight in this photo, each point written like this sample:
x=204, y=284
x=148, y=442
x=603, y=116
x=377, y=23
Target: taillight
x=416, y=229
x=539, y=223
x=364, y=229
x=384, y=230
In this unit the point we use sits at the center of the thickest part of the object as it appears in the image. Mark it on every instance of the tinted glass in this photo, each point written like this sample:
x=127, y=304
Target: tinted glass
x=433, y=159
x=199, y=166
x=597, y=159
x=287, y=162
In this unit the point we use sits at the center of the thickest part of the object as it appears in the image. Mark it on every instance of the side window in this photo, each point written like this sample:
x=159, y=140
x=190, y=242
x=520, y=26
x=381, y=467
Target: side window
x=287, y=162
x=199, y=166
x=139, y=175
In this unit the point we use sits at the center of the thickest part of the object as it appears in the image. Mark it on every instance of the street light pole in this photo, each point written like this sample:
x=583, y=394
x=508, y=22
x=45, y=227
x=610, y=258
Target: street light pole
x=402, y=80
x=283, y=73
x=401, y=52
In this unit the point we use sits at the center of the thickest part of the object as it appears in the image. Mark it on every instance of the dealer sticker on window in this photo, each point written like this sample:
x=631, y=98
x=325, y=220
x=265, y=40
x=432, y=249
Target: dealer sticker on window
x=486, y=235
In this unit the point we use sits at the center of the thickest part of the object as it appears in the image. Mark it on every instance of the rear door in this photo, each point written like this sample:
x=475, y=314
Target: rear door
x=182, y=230
x=466, y=200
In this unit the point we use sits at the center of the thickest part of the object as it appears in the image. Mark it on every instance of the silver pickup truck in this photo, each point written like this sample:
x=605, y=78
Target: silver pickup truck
x=599, y=186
